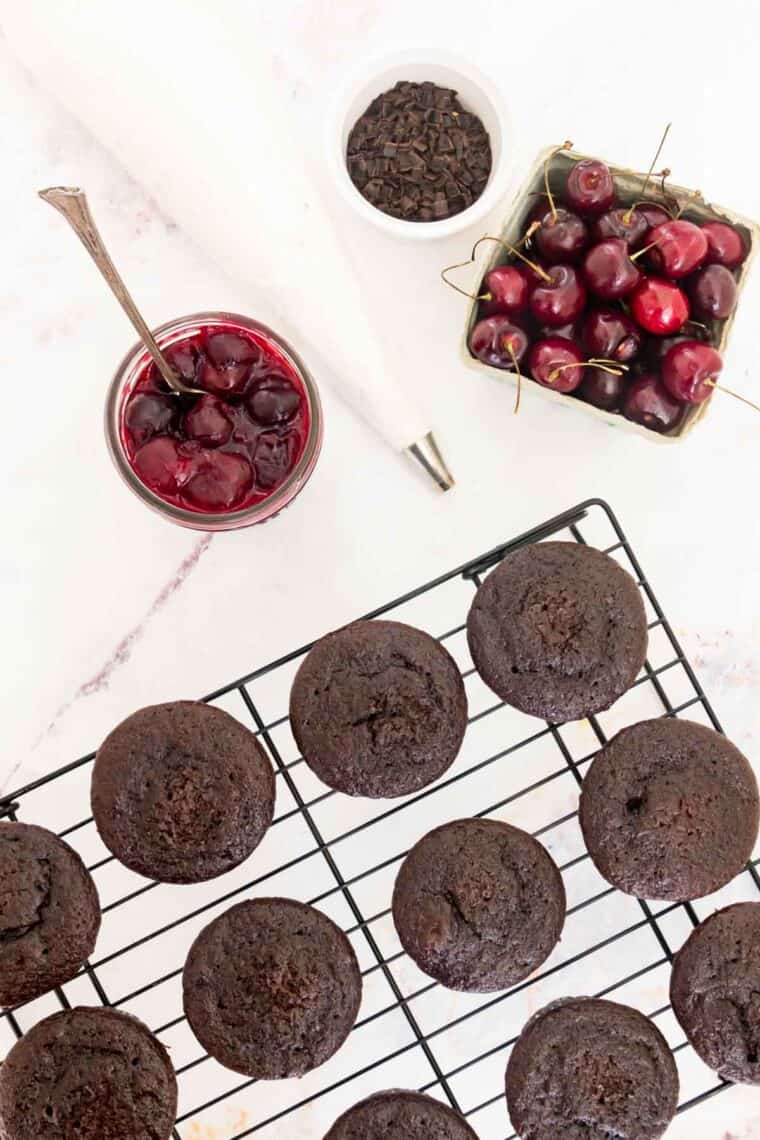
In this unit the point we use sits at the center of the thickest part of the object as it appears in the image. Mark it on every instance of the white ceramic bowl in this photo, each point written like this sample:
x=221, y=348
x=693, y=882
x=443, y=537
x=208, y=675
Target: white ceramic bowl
x=477, y=93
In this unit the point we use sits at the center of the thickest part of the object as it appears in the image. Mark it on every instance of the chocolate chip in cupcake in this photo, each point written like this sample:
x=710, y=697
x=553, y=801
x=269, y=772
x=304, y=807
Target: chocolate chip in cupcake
x=586, y=1068
x=400, y=1115
x=182, y=792
x=378, y=709
x=715, y=991
x=89, y=1074
x=49, y=912
x=558, y=630
x=669, y=810
x=478, y=904
x=271, y=988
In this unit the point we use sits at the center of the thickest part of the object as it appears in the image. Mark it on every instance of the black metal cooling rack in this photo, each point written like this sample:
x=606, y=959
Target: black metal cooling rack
x=342, y=855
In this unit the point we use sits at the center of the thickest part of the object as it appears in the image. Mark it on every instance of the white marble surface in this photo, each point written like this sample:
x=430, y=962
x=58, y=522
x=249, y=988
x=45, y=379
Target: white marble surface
x=106, y=607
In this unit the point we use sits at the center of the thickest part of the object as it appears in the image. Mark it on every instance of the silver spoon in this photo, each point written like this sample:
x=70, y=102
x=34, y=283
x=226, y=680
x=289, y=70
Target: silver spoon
x=72, y=203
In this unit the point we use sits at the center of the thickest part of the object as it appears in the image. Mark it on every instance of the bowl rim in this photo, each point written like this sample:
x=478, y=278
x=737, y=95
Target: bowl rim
x=365, y=76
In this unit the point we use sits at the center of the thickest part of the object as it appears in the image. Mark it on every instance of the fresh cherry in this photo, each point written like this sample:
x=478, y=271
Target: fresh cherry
x=562, y=235
x=603, y=389
x=551, y=363
x=659, y=306
x=648, y=402
x=690, y=369
x=679, y=247
x=221, y=481
x=273, y=401
x=208, y=422
x=496, y=340
x=609, y=270
x=725, y=245
x=590, y=187
x=506, y=289
x=611, y=334
x=713, y=292
x=658, y=346
x=623, y=222
x=655, y=215
x=148, y=414
x=560, y=299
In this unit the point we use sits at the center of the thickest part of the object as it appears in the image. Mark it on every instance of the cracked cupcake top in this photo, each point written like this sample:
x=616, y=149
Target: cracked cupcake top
x=478, y=904
x=49, y=912
x=378, y=709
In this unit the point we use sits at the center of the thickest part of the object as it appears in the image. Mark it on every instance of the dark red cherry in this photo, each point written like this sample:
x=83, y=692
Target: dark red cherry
x=208, y=422
x=161, y=464
x=680, y=247
x=603, y=389
x=492, y=339
x=725, y=245
x=590, y=187
x=611, y=334
x=148, y=414
x=655, y=215
x=713, y=292
x=648, y=402
x=273, y=401
x=659, y=306
x=551, y=363
x=690, y=370
x=230, y=348
x=609, y=271
x=274, y=457
x=559, y=300
x=226, y=368
x=506, y=289
x=622, y=222
x=659, y=345
x=184, y=359
x=221, y=480
x=561, y=237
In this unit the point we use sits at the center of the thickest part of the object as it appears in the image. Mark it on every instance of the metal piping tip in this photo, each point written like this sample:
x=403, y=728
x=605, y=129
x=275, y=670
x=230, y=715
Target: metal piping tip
x=427, y=453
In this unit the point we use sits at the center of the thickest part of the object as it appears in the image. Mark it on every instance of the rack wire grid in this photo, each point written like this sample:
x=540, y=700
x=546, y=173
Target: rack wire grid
x=342, y=855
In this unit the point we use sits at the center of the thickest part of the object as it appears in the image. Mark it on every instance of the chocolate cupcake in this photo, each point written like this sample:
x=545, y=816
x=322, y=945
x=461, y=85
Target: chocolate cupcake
x=715, y=991
x=271, y=988
x=182, y=792
x=558, y=630
x=93, y=1074
x=478, y=904
x=669, y=810
x=378, y=709
x=50, y=914
x=400, y=1115
x=584, y=1067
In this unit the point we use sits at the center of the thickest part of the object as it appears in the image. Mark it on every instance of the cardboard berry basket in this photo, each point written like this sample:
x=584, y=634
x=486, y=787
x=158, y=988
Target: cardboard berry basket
x=628, y=182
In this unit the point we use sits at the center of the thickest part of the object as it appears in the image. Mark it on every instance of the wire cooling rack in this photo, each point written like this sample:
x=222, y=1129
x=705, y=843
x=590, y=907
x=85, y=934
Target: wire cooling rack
x=342, y=855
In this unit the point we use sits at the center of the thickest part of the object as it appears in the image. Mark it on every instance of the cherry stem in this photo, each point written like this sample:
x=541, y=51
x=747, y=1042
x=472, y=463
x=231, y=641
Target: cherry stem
x=487, y=237
x=567, y=145
x=645, y=183
x=728, y=392
x=697, y=324
x=691, y=197
x=641, y=252
x=511, y=249
x=515, y=361
x=610, y=366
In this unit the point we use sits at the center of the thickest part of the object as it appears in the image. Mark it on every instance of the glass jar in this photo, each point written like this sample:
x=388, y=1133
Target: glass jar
x=132, y=368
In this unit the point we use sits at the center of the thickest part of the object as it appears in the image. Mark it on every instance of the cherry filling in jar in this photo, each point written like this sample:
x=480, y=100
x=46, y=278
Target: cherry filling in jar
x=234, y=446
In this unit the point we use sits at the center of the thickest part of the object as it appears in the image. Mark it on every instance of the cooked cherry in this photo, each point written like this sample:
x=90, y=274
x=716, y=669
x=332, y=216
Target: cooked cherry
x=560, y=299
x=648, y=402
x=551, y=363
x=590, y=187
x=221, y=480
x=623, y=222
x=562, y=235
x=713, y=292
x=659, y=306
x=230, y=348
x=184, y=358
x=208, y=422
x=161, y=464
x=690, y=370
x=148, y=414
x=603, y=389
x=611, y=334
x=506, y=289
x=679, y=247
x=273, y=401
x=725, y=245
x=609, y=270
x=224, y=380
x=496, y=340
x=274, y=457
